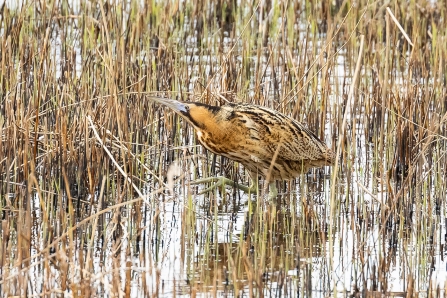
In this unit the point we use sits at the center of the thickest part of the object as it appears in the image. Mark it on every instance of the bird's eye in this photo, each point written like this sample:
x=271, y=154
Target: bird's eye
x=184, y=109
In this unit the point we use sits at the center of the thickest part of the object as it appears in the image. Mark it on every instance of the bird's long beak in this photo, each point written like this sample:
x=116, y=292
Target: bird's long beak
x=176, y=105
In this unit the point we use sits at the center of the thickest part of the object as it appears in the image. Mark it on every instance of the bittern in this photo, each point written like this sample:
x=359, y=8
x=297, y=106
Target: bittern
x=265, y=141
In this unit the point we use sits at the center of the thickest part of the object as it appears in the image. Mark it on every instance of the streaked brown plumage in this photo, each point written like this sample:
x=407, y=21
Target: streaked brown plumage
x=255, y=136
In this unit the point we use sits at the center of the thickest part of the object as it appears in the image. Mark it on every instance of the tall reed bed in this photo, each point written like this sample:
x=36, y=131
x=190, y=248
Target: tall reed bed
x=95, y=186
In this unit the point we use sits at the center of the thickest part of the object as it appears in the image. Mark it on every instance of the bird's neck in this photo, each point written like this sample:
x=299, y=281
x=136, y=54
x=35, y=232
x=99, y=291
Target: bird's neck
x=212, y=128
x=207, y=123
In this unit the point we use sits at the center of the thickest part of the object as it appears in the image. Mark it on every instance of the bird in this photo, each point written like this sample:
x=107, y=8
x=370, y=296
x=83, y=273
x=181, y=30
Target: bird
x=264, y=141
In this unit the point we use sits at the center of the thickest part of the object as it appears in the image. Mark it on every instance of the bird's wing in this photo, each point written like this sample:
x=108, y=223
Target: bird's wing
x=298, y=143
x=295, y=141
x=272, y=131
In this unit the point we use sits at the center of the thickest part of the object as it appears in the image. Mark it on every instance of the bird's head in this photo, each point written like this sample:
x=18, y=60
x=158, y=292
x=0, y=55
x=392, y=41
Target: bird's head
x=197, y=114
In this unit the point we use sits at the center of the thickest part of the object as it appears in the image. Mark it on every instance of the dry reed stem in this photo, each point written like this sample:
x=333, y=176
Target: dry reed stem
x=388, y=10
x=341, y=138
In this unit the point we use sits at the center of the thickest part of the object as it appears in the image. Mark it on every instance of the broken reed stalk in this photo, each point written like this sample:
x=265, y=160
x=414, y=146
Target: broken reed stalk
x=98, y=138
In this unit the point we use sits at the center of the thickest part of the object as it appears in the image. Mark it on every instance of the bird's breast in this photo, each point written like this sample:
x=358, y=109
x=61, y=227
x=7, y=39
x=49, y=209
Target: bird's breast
x=223, y=142
x=209, y=142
